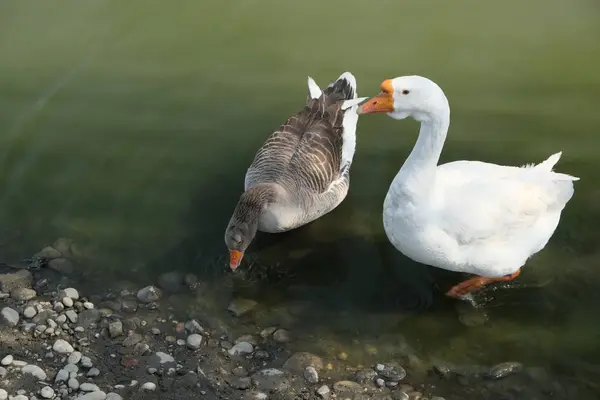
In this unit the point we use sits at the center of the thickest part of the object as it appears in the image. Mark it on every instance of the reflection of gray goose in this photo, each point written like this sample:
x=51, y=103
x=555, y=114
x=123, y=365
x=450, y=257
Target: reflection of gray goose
x=302, y=171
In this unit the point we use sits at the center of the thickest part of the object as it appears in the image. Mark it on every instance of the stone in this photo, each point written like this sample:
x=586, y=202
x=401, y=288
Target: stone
x=193, y=326
x=93, y=396
x=148, y=386
x=113, y=396
x=72, y=315
x=35, y=371
x=47, y=392
x=281, y=336
x=298, y=362
x=311, y=375
x=19, y=363
x=237, y=382
x=265, y=333
x=7, y=360
x=86, y=362
x=61, y=376
x=241, y=348
x=3, y=394
x=505, y=369
x=93, y=372
x=239, y=371
x=194, y=341
x=240, y=306
x=132, y=339
x=392, y=372
x=13, y=280
x=3, y=372
x=61, y=265
x=129, y=306
x=71, y=368
x=346, y=388
x=74, y=357
x=62, y=347
x=10, y=316
x=324, y=392
x=365, y=376
x=23, y=294
x=67, y=301
x=149, y=294
x=115, y=328
x=48, y=253
x=88, y=318
x=88, y=387
x=172, y=281
x=71, y=293
x=29, y=312
x=271, y=379
x=73, y=384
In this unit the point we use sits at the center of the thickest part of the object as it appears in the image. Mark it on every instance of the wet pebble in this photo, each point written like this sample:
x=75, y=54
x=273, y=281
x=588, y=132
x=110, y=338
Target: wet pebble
x=132, y=339
x=88, y=387
x=93, y=396
x=71, y=293
x=113, y=396
x=62, y=347
x=241, y=348
x=3, y=394
x=194, y=341
x=193, y=326
x=61, y=376
x=72, y=316
x=171, y=281
x=93, y=372
x=241, y=306
x=298, y=362
x=393, y=373
x=504, y=369
x=149, y=294
x=67, y=302
x=271, y=379
x=86, y=362
x=324, y=392
x=47, y=392
x=7, y=360
x=23, y=294
x=281, y=336
x=311, y=375
x=346, y=388
x=34, y=370
x=148, y=386
x=3, y=372
x=115, y=328
x=73, y=384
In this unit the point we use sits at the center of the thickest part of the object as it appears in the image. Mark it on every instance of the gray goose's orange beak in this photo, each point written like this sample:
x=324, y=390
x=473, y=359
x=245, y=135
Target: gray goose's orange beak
x=235, y=258
x=382, y=103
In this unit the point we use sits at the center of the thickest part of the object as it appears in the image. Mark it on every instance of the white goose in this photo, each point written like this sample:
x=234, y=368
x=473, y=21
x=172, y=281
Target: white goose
x=464, y=216
x=302, y=171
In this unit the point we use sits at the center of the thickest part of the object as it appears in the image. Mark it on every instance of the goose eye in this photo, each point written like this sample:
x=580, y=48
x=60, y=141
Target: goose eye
x=405, y=91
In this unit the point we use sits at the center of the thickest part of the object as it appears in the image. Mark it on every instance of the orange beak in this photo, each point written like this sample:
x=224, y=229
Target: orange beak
x=382, y=103
x=235, y=257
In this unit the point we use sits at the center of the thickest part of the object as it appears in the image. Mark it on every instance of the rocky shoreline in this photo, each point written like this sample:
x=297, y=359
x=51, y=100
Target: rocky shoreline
x=59, y=343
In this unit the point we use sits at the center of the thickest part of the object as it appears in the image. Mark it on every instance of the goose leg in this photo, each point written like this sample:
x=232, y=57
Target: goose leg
x=477, y=282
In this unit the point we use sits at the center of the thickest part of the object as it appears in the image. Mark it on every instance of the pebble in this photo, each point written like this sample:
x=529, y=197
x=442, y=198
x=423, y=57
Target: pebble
x=61, y=319
x=93, y=396
x=265, y=333
x=88, y=306
x=115, y=328
x=72, y=315
x=61, y=376
x=281, y=336
x=10, y=281
x=164, y=357
x=149, y=386
x=71, y=368
x=380, y=382
x=29, y=312
x=67, y=301
x=93, y=372
x=311, y=375
x=19, y=397
x=346, y=387
x=299, y=361
x=19, y=363
x=193, y=326
x=10, y=316
x=74, y=357
x=7, y=360
x=394, y=373
x=3, y=394
x=71, y=293
x=132, y=339
x=324, y=391
x=502, y=370
x=23, y=294
x=47, y=392
x=3, y=372
x=35, y=371
x=149, y=294
x=73, y=384
x=88, y=387
x=240, y=306
x=194, y=341
x=271, y=379
x=86, y=362
x=62, y=347
x=113, y=396
x=241, y=348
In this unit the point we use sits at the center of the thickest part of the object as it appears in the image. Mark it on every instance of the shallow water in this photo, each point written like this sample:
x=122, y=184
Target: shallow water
x=129, y=128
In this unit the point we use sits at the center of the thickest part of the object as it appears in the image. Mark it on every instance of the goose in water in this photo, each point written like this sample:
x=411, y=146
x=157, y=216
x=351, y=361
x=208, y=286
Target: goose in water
x=302, y=171
x=465, y=216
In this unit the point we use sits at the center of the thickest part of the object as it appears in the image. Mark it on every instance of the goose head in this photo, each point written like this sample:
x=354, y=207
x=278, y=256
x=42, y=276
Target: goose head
x=240, y=231
x=407, y=96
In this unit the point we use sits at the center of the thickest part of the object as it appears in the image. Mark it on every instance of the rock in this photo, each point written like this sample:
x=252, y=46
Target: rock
x=61, y=265
x=346, y=388
x=365, y=376
x=392, y=372
x=194, y=341
x=271, y=379
x=88, y=317
x=129, y=306
x=241, y=306
x=237, y=382
x=265, y=333
x=73, y=384
x=149, y=386
x=93, y=372
x=132, y=339
x=71, y=368
x=48, y=253
x=311, y=375
x=67, y=301
x=149, y=294
x=93, y=396
x=35, y=371
x=172, y=281
x=379, y=382
x=87, y=305
x=86, y=362
x=239, y=371
x=10, y=316
x=20, y=397
x=115, y=328
x=113, y=396
x=504, y=369
x=70, y=292
x=3, y=372
x=23, y=294
x=281, y=336
x=298, y=362
x=72, y=315
x=62, y=376
x=13, y=280
x=3, y=394
x=47, y=392
x=7, y=360
x=62, y=347
x=19, y=363
x=88, y=387
x=193, y=326
x=241, y=348
x=29, y=312
x=324, y=392
x=74, y=357
x=405, y=396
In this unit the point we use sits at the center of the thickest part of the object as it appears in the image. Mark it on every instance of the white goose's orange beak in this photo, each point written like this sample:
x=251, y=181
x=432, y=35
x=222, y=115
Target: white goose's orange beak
x=235, y=258
x=382, y=103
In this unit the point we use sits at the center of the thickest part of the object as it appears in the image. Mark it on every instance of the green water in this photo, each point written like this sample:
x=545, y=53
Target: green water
x=128, y=127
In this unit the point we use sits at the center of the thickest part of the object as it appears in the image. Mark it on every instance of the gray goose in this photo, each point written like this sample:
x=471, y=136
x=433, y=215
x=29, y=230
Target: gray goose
x=302, y=171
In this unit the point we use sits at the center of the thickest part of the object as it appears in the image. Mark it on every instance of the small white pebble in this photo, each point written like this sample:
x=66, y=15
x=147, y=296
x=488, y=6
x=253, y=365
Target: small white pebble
x=150, y=386
x=88, y=305
x=47, y=392
x=7, y=360
x=67, y=301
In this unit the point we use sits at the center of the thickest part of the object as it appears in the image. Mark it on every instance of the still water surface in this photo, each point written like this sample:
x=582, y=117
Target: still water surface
x=128, y=126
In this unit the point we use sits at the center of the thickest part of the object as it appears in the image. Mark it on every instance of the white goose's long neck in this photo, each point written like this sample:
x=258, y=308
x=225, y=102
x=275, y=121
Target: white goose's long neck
x=415, y=179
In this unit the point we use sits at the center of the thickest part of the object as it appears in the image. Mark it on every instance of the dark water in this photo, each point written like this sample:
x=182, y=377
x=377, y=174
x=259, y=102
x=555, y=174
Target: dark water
x=128, y=127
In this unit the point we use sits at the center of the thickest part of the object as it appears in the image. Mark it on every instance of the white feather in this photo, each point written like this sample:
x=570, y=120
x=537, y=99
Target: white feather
x=314, y=89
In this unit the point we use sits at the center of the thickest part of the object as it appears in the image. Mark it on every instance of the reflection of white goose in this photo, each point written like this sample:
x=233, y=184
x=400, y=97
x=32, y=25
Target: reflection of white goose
x=302, y=171
x=465, y=216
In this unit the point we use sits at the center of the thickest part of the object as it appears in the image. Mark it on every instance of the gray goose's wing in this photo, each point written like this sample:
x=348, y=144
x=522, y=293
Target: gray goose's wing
x=306, y=152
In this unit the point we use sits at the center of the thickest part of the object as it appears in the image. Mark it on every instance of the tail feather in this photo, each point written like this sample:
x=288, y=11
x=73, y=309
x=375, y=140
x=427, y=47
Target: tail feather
x=313, y=89
x=344, y=88
x=549, y=164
